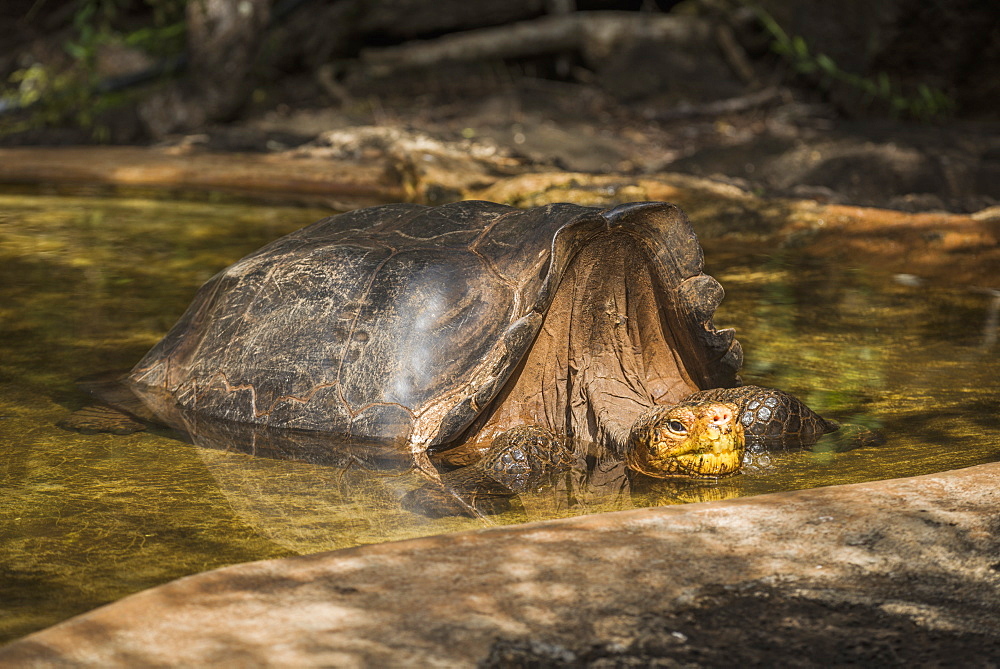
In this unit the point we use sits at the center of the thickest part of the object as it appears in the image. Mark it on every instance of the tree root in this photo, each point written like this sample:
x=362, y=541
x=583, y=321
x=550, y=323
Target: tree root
x=595, y=35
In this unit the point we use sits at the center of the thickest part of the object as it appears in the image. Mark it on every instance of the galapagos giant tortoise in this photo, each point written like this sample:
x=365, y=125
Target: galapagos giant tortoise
x=473, y=324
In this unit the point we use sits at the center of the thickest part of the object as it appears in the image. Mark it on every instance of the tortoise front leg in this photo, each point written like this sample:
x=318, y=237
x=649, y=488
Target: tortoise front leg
x=518, y=460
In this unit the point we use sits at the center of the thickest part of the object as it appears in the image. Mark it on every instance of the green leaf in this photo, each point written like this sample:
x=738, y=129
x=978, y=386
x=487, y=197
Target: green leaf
x=826, y=64
x=76, y=51
x=884, y=85
x=800, y=47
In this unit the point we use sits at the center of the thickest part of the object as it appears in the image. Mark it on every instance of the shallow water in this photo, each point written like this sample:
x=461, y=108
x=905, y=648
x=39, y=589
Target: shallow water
x=89, y=284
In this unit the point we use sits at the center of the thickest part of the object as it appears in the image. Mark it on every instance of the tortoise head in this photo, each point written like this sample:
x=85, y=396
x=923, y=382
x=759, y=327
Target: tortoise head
x=698, y=439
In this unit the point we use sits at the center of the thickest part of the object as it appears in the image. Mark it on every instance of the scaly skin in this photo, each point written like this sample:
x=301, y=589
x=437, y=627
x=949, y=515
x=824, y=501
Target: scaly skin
x=771, y=419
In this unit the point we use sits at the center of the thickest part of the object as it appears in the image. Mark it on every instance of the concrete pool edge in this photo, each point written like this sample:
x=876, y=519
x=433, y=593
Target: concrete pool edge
x=925, y=548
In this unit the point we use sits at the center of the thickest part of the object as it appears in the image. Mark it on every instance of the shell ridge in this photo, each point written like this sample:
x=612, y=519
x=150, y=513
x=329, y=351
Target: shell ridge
x=702, y=294
x=440, y=213
x=301, y=399
x=699, y=294
x=227, y=387
x=427, y=239
x=687, y=254
x=558, y=262
x=365, y=407
x=506, y=280
x=490, y=265
x=488, y=228
x=500, y=365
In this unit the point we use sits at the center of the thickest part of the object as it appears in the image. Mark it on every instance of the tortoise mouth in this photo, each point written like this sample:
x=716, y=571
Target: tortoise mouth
x=699, y=465
x=723, y=458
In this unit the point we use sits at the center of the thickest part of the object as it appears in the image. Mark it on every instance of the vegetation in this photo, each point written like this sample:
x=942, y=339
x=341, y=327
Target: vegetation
x=75, y=95
x=926, y=103
x=78, y=94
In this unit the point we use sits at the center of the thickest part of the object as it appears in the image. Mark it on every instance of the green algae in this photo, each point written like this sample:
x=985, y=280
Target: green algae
x=89, y=284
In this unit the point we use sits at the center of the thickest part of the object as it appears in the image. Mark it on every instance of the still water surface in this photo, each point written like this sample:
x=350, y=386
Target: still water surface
x=89, y=284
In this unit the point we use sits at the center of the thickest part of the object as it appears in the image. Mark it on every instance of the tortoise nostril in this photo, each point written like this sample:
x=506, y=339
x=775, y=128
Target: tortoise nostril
x=721, y=415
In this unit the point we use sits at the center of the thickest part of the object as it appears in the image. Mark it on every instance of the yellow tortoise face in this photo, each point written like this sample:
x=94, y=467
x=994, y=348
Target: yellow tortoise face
x=691, y=439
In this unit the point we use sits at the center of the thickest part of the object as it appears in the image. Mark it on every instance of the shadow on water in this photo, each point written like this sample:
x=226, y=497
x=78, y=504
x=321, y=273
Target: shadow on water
x=88, y=285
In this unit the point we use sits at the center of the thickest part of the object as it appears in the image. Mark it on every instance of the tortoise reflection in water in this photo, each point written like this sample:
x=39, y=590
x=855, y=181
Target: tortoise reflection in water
x=479, y=332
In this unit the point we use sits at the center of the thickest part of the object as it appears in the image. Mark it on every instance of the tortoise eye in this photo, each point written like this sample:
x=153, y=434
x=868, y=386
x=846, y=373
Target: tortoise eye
x=676, y=426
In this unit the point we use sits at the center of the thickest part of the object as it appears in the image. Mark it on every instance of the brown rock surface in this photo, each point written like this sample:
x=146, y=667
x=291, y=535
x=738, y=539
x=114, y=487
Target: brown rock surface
x=894, y=572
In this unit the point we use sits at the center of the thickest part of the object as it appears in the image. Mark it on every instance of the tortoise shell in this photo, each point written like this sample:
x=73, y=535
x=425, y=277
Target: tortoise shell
x=416, y=324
